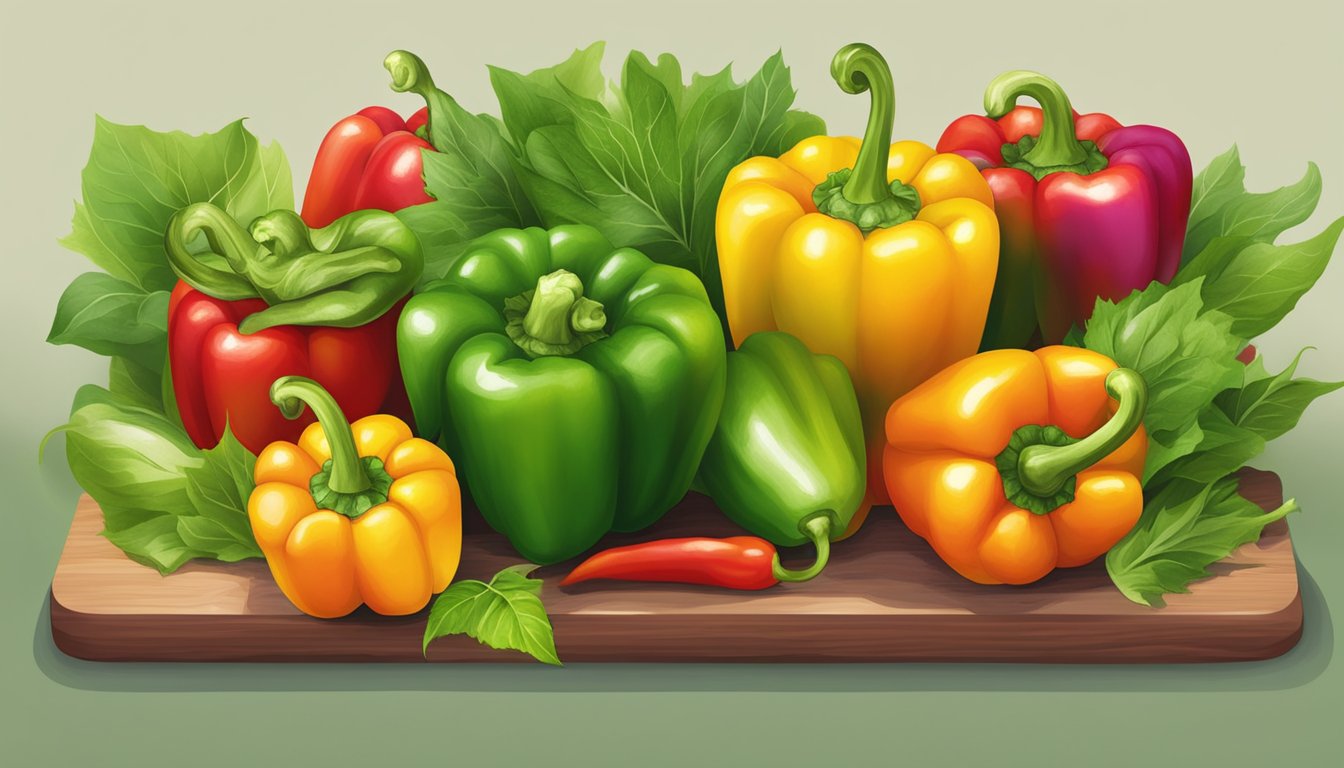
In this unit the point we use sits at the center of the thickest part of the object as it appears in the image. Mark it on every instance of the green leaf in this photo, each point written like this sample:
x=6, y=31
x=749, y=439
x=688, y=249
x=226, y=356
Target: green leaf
x=536, y=99
x=1258, y=285
x=1222, y=448
x=1221, y=206
x=1186, y=355
x=506, y=614
x=1216, y=186
x=139, y=384
x=442, y=235
x=473, y=181
x=218, y=490
x=644, y=161
x=213, y=539
x=270, y=186
x=156, y=542
x=1184, y=529
x=109, y=316
x=1269, y=406
x=164, y=502
x=137, y=178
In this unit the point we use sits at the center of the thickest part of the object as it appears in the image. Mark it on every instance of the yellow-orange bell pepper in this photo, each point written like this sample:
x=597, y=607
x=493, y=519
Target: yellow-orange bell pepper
x=354, y=514
x=1014, y=463
x=881, y=254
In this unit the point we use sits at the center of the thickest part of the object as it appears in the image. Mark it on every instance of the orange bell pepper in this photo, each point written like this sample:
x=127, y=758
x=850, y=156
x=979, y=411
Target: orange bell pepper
x=354, y=514
x=882, y=254
x=1014, y=463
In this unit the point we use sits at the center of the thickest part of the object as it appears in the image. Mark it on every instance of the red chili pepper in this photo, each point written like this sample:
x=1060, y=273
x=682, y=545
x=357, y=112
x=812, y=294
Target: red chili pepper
x=737, y=562
x=740, y=562
x=370, y=159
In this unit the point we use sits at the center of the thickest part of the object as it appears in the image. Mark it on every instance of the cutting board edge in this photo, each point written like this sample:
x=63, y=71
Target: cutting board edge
x=110, y=637
x=1268, y=631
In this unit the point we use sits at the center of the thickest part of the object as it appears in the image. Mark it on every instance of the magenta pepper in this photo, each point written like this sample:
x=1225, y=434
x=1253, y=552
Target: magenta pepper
x=1087, y=208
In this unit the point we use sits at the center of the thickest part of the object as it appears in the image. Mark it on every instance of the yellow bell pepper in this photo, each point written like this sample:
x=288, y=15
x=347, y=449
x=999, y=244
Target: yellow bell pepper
x=881, y=254
x=354, y=514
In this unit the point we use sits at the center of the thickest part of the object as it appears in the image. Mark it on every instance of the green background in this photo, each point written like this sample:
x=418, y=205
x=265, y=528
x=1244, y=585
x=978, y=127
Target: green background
x=1264, y=75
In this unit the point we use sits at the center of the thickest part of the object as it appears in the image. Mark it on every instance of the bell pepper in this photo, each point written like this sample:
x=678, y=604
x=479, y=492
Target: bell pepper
x=575, y=383
x=1087, y=208
x=1014, y=463
x=880, y=254
x=278, y=299
x=354, y=514
x=372, y=159
x=786, y=461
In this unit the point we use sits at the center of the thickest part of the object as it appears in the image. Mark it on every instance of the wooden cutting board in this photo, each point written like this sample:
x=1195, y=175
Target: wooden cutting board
x=884, y=597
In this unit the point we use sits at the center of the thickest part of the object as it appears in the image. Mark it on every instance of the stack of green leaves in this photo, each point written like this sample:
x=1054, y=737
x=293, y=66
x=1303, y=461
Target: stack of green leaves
x=642, y=160
x=164, y=501
x=1208, y=412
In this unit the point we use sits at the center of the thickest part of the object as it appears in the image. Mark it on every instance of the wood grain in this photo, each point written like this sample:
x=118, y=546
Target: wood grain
x=884, y=597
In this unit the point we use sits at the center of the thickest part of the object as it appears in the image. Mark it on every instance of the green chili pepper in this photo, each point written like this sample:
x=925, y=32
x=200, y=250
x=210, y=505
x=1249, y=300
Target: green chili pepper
x=342, y=275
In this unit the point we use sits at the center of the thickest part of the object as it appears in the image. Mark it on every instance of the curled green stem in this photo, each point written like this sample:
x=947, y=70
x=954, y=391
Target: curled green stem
x=818, y=529
x=1058, y=144
x=348, y=473
x=1045, y=469
x=858, y=67
x=862, y=195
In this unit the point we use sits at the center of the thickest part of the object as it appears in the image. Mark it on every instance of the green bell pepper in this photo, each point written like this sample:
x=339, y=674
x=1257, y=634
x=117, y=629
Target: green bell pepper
x=576, y=384
x=787, y=459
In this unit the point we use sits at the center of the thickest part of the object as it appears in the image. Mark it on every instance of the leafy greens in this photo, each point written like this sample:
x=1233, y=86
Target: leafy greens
x=1209, y=413
x=642, y=160
x=164, y=501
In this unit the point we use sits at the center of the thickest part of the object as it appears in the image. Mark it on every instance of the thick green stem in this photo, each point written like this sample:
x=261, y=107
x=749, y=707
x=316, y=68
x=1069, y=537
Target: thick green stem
x=1057, y=145
x=861, y=195
x=818, y=529
x=857, y=68
x=555, y=318
x=348, y=473
x=1045, y=469
x=228, y=241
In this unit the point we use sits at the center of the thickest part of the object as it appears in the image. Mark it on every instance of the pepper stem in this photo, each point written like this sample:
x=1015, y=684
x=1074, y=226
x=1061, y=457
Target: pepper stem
x=858, y=67
x=818, y=529
x=410, y=75
x=555, y=318
x=229, y=241
x=1058, y=144
x=1043, y=470
x=291, y=394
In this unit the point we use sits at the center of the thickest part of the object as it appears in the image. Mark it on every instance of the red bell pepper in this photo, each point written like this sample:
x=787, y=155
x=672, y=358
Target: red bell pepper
x=368, y=160
x=1087, y=208
x=281, y=300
